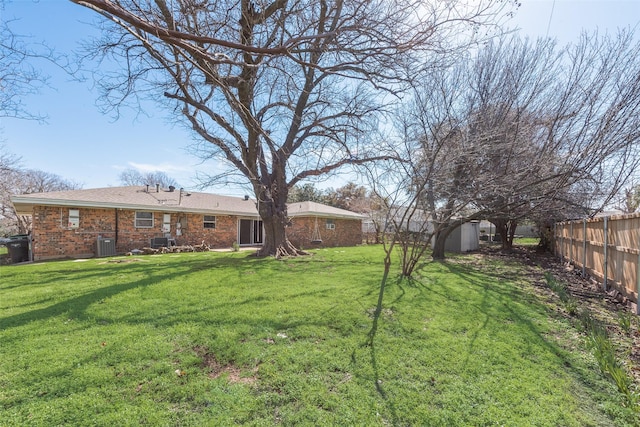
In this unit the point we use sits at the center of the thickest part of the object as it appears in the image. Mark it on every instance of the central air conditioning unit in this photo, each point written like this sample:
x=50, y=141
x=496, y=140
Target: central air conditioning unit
x=105, y=247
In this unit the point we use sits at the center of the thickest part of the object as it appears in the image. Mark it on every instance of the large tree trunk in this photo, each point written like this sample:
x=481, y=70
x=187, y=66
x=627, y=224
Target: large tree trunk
x=507, y=229
x=438, y=246
x=439, y=241
x=276, y=242
x=272, y=208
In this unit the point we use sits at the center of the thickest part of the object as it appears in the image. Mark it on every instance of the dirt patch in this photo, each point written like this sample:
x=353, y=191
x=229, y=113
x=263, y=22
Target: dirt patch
x=216, y=369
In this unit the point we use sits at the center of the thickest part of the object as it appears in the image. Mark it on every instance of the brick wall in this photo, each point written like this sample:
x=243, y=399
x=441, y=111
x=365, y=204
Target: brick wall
x=53, y=238
x=194, y=233
x=347, y=232
x=192, y=230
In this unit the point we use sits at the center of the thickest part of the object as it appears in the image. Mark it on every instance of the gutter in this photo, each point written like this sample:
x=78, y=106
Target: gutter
x=327, y=215
x=22, y=203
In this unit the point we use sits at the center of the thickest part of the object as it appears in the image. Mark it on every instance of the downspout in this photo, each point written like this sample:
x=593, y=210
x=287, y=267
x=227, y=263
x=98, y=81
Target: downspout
x=116, y=239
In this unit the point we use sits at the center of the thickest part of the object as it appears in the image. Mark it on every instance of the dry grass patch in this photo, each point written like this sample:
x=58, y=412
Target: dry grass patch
x=216, y=369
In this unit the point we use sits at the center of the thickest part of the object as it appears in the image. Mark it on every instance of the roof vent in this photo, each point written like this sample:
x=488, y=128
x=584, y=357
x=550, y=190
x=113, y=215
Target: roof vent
x=157, y=188
x=171, y=188
x=246, y=197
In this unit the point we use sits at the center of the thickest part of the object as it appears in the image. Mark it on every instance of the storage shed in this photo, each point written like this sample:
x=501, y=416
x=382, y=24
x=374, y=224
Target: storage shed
x=465, y=238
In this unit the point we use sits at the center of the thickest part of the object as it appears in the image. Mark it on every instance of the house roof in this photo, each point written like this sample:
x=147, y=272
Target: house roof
x=320, y=210
x=165, y=200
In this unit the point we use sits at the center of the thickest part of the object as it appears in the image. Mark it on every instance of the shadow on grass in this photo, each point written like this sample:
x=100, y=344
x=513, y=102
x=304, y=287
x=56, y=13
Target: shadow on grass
x=371, y=343
x=75, y=307
x=497, y=299
x=500, y=295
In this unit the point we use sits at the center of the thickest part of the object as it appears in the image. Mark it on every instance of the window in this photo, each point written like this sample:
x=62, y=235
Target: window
x=330, y=224
x=166, y=223
x=144, y=220
x=209, y=221
x=74, y=218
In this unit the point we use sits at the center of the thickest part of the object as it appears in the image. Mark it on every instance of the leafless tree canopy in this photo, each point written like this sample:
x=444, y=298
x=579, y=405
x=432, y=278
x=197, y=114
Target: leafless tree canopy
x=280, y=90
x=14, y=179
x=629, y=199
x=521, y=129
x=134, y=177
x=565, y=143
x=18, y=77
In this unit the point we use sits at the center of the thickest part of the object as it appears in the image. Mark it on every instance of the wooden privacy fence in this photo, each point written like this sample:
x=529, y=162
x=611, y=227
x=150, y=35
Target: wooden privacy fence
x=607, y=248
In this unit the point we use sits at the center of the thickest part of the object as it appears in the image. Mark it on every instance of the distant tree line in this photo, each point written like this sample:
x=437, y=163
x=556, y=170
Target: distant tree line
x=351, y=196
x=134, y=177
x=16, y=179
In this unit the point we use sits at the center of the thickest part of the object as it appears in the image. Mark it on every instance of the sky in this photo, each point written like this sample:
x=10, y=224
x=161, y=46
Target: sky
x=81, y=144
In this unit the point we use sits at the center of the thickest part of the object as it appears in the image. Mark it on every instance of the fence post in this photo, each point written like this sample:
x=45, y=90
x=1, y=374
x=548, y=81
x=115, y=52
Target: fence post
x=606, y=252
x=571, y=238
x=638, y=283
x=584, y=247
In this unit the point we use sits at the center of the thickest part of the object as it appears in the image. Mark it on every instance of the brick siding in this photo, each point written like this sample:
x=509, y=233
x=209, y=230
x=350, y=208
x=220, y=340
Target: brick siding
x=53, y=238
x=347, y=232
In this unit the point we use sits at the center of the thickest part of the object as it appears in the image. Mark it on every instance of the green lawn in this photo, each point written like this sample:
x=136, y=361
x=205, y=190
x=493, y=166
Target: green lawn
x=224, y=338
x=526, y=241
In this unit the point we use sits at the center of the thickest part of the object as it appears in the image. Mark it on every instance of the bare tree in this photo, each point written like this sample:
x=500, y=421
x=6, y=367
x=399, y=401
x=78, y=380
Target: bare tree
x=9, y=164
x=17, y=180
x=404, y=185
x=134, y=177
x=526, y=130
x=8, y=161
x=280, y=90
x=438, y=180
x=18, y=77
x=629, y=201
x=575, y=143
x=19, y=72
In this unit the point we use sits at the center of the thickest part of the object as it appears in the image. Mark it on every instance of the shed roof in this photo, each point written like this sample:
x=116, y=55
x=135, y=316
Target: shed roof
x=165, y=200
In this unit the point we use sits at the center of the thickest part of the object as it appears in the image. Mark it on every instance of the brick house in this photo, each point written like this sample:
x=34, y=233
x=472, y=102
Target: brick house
x=71, y=223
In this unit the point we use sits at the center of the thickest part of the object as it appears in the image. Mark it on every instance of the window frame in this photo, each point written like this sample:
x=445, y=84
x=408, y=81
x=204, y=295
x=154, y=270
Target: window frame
x=74, y=218
x=206, y=222
x=138, y=221
x=330, y=224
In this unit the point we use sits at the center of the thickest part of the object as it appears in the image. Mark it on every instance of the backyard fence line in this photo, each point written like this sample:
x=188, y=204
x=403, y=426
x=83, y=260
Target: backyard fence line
x=607, y=248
